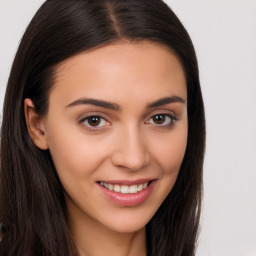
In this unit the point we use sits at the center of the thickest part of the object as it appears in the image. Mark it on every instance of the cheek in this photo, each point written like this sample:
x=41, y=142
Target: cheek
x=170, y=151
x=169, y=154
x=73, y=156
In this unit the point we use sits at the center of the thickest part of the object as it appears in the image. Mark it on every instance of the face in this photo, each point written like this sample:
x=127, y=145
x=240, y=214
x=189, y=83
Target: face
x=117, y=131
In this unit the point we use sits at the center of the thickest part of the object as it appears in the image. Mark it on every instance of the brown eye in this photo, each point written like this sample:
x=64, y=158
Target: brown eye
x=159, y=119
x=162, y=120
x=94, y=121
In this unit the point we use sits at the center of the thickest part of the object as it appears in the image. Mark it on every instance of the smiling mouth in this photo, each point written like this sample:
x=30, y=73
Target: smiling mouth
x=125, y=189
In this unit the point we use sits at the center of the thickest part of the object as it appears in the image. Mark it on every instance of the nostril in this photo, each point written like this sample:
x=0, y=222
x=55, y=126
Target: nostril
x=131, y=160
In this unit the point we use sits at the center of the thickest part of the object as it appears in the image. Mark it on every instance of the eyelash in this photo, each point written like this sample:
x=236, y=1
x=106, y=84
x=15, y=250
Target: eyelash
x=95, y=118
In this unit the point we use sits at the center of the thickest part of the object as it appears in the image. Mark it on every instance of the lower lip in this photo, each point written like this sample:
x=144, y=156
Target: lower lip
x=128, y=199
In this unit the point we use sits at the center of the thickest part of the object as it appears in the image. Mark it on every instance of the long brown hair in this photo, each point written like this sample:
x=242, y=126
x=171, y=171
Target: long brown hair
x=32, y=204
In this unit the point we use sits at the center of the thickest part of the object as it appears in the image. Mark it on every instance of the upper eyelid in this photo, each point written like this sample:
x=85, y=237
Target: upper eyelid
x=87, y=115
x=172, y=116
x=82, y=120
x=108, y=118
x=166, y=112
x=160, y=109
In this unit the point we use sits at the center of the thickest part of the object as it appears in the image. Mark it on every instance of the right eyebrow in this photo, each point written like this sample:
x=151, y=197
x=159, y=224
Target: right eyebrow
x=166, y=100
x=95, y=102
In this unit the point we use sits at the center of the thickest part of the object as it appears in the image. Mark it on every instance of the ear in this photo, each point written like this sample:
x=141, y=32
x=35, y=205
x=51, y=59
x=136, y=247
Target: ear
x=35, y=125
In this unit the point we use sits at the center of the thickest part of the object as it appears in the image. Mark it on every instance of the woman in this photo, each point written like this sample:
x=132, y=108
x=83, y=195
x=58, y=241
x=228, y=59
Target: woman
x=103, y=133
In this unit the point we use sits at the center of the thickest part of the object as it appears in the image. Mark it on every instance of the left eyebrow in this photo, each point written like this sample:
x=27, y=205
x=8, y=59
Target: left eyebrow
x=95, y=102
x=166, y=100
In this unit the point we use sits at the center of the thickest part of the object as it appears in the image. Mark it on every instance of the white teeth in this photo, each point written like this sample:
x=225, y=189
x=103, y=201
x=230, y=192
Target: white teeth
x=145, y=184
x=140, y=187
x=117, y=188
x=106, y=185
x=133, y=189
x=125, y=189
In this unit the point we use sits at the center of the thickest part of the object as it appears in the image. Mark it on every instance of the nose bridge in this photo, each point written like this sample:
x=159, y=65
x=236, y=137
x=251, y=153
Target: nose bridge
x=131, y=151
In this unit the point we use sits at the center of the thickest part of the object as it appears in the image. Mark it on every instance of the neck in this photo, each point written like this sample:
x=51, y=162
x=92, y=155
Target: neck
x=111, y=243
x=93, y=238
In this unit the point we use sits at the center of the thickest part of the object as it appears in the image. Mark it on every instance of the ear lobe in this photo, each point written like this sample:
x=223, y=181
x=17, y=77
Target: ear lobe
x=35, y=125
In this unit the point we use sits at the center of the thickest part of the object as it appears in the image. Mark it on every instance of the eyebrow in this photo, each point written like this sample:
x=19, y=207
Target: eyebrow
x=166, y=100
x=95, y=102
x=116, y=107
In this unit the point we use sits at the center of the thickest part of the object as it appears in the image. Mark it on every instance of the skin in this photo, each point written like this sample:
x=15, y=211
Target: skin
x=128, y=144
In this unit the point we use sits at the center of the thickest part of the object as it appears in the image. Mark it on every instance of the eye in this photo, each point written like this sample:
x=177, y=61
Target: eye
x=162, y=120
x=95, y=121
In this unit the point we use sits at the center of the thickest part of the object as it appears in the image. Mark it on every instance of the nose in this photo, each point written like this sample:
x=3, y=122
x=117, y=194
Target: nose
x=131, y=152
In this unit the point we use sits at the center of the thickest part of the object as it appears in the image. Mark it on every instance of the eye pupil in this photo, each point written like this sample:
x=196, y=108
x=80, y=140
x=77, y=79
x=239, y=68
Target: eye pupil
x=94, y=120
x=159, y=119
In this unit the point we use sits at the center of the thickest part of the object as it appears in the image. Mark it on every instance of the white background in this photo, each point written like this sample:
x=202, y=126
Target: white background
x=224, y=35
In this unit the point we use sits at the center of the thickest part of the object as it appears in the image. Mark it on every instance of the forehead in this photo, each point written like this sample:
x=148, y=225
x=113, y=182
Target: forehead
x=121, y=67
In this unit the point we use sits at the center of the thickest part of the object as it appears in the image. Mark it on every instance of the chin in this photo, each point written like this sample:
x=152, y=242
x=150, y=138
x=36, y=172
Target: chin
x=128, y=227
x=128, y=224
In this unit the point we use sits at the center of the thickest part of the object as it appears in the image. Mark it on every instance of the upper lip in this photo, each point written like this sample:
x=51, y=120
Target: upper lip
x=127, y=182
